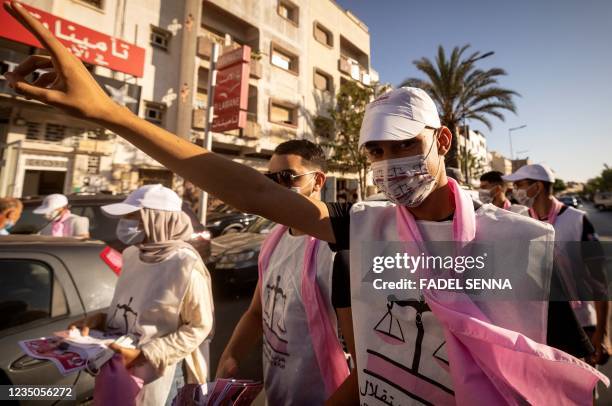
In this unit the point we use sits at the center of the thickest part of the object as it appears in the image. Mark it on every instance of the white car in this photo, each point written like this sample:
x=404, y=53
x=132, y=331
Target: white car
x=603, y=200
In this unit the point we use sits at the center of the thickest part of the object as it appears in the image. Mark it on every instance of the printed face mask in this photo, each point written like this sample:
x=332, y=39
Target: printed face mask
x=8, y=225
x=521, y=196
x=406, y=180
x=129, y=232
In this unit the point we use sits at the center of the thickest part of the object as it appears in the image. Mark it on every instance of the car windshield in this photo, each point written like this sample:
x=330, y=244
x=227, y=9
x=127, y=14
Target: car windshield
x=260, y=226
x=101, y=227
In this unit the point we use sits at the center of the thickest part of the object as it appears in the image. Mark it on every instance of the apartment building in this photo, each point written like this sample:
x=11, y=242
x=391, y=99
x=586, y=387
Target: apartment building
x=43, y=150
x=477, y=156
x=500, y=163
x=302, y=52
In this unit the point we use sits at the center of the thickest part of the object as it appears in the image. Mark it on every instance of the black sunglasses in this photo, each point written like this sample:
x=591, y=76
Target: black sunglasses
x=286, y=177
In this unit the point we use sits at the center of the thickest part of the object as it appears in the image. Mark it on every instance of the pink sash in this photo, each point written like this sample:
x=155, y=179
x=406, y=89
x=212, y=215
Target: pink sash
x=59, y=228
x=490, y=364
x=552, y=214
x=327, y=348
x=507, y=204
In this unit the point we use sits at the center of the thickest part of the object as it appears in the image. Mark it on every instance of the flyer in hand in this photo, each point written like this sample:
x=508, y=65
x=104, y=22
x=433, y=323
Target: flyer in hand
x=71, y=352
x=224, y=392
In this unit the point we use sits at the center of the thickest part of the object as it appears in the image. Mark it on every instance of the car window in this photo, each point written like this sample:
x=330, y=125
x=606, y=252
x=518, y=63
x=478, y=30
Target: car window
x=101, y=227
x=29, y=223
x=27, y=293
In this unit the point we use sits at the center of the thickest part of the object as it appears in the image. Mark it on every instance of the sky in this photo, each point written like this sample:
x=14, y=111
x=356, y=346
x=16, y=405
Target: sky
x=557, y=53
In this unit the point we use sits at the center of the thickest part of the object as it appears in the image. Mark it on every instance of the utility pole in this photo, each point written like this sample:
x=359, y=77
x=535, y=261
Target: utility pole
x=212, y=82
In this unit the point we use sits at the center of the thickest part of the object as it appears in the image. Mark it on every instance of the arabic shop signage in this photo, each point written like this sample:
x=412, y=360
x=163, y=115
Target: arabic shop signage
x=88, y=45
x=232, y=90
x=123, y=93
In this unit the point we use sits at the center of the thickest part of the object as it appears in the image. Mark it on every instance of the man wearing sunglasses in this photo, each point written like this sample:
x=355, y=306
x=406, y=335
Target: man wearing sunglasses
x=279, y=310
x=406, y=145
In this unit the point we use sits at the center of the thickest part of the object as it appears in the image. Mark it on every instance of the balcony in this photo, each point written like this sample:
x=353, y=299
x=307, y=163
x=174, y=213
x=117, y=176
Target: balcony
x=344, y=65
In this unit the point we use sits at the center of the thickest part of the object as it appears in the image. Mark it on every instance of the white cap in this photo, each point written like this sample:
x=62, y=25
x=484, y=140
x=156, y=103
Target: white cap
x=155, y=197
x=398, y=115
x=52, y=202
x=533, y=172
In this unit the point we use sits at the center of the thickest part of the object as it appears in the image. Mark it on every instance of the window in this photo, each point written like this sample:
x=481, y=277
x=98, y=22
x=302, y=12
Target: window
x=25, y=292
x=323, y=35
x=99, y=4
x=93, y=164
x=160, y=38
x=289, y=11
x=283, y=59
x=154, y=112
x=322, y=81
x=32, y=130
x=55, y=132
x=283, y=113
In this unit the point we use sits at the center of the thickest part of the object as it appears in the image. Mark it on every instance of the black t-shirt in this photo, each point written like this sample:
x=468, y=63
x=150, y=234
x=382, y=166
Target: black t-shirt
x=340, y=217
x=341, y=280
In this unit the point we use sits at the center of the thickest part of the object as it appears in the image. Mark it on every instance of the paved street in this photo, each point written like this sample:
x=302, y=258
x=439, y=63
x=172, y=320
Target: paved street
x=602, y=220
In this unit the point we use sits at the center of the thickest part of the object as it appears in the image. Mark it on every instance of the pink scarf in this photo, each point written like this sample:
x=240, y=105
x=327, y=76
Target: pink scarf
x=490, y=364
x=58, y=228
x=507, y=204
x=328, y=351
x=552, y=213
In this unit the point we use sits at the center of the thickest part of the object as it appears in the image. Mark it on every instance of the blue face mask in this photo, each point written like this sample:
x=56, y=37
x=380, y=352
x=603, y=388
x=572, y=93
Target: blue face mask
x=129, y=232
x=8, y=225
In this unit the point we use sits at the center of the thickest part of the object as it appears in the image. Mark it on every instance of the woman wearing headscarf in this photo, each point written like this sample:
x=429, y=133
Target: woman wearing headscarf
x=163, y=296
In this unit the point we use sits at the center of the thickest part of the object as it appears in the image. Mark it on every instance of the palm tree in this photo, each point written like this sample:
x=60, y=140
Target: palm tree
x=460, y=90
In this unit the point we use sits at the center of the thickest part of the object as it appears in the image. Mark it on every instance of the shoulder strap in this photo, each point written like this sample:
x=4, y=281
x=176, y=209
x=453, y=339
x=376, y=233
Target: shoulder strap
x=324, y=337
x=267, y=248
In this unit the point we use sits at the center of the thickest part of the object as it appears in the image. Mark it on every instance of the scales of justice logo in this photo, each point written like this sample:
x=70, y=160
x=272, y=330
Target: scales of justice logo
x=391, y=330
x=275, y=330
x=126, y=316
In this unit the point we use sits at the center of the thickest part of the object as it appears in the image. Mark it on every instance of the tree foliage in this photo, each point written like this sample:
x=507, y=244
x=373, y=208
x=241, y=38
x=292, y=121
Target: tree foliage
x=346, y=117
x=460, y=90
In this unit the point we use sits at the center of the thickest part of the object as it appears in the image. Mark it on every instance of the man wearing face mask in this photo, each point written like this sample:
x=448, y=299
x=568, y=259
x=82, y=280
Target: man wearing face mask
x=10, y=211
x=493, y=359
x=163, y=296
x=533, y=187
x=292, y=306
x=61, y=222
x=493, y=190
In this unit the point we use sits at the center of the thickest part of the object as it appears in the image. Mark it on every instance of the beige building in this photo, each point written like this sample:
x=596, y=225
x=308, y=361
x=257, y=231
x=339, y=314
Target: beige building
x=302, y=52
x=500, y=163
x=477, y=158
x=44, y=151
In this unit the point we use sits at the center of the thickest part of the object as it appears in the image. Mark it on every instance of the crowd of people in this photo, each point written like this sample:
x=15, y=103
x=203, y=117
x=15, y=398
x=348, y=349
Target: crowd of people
x=314, y=309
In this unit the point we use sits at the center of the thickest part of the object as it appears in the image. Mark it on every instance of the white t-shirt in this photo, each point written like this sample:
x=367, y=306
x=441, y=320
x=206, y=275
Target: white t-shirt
x=291, y=371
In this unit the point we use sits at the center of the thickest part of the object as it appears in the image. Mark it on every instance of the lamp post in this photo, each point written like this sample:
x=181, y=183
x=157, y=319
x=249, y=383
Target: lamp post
x=464, y=118
x=510, y=138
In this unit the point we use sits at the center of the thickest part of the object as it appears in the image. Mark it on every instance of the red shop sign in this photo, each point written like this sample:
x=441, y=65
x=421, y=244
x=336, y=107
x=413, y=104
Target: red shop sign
x=232, y=90
x=88, y=45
